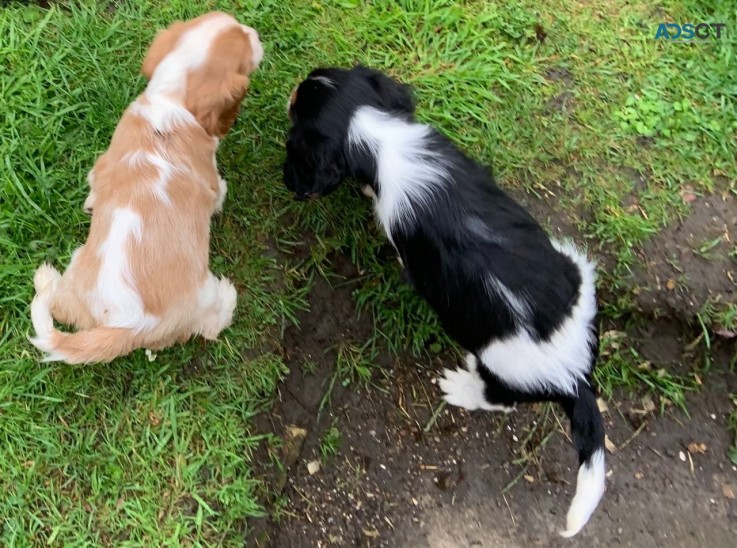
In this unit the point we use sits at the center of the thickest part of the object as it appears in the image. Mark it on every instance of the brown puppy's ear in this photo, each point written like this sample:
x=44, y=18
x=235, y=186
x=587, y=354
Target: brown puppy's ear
x=216, y=107
x=162, y=45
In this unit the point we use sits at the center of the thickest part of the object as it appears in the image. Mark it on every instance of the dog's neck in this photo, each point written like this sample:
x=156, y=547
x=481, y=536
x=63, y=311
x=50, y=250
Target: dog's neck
x=393, y=155
x=164, y=112
x=375, y=134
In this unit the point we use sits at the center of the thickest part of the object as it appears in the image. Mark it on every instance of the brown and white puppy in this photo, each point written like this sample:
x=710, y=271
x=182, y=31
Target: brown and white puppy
x=142, y=279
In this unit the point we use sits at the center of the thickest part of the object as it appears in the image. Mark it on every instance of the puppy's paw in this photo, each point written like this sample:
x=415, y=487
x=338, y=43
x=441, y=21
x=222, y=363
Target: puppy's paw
x=89, y=203
x=222, y=191
x=368, y=192
x=466, y=389
x=44, y=277
x=228, y=299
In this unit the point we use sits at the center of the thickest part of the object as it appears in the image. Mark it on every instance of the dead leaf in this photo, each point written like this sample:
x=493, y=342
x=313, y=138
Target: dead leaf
x=372, y=533
x=529, y=478
x=609, y=444
x=687, y=194
x=639, y=475
x=296, y=432
x=313, y=467
x=694, y=448
x=601, y=404
x=119, y=504
x=153, y=418
x=648, y=406
x=670, y=285
x=726, y=333
x=728, y=491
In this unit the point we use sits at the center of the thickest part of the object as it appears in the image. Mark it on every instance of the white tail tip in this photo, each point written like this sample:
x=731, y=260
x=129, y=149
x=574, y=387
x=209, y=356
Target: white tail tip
x=589, y=490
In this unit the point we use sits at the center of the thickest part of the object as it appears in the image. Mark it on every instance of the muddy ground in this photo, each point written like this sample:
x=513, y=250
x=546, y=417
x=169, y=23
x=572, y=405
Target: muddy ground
x=405, y=476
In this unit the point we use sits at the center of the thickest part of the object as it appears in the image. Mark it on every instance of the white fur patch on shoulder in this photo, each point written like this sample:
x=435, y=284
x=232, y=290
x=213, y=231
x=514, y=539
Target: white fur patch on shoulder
x=590, y=487
x=407, y=171
x=565, y=358
x=162, y=114
x=115, y=300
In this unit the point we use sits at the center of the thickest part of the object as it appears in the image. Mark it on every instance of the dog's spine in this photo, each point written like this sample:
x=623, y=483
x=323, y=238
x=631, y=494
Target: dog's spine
x=100, y=344
x=587, y=428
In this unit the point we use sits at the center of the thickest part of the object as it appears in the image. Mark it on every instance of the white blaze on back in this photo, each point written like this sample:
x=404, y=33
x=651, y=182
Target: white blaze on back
x=115, y=300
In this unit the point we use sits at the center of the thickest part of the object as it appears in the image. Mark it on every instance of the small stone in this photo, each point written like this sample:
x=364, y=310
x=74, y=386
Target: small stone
x=313, y=467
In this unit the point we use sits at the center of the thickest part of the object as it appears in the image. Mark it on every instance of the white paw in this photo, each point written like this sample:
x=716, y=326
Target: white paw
x=89, y=203
x=228, y=299
x=471, y=362
x=368, y=192
x=222, y=191
x=466, y=389
x=45, y=276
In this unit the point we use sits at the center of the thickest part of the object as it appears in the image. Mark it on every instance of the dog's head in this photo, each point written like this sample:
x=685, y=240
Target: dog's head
x=204, y=64
x=320, y=109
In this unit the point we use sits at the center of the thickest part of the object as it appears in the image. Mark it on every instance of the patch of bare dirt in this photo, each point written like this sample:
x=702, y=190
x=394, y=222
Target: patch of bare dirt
x=691, y=262
x=405, y=477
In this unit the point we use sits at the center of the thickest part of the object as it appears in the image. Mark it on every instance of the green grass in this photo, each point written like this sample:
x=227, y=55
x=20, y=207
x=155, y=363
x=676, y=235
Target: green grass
x=330, y=443
x=732, y=451
x=151, y=453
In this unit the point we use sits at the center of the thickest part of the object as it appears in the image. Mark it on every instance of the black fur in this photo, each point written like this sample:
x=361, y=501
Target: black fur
x=466, y=231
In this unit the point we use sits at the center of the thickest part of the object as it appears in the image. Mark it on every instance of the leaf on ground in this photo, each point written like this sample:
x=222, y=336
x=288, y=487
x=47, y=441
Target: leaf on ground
x=295, y=432
x=687, y=194
x=694, y=448
x=648, y=406
x=728, y=491
x=529, y=478
x=726, y=333
x=609, y=444
x=601, y=404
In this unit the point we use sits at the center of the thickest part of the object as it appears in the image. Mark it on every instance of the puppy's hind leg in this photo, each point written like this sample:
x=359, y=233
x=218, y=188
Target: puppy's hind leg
x=65, y=305
x=218, y=299
x=468, y=388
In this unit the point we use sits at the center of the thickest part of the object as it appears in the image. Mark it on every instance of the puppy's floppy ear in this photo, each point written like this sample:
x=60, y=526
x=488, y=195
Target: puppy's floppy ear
x=394, y=95
x=314, y=165
x=164, y=43
x=215, y=104
x=216, y=89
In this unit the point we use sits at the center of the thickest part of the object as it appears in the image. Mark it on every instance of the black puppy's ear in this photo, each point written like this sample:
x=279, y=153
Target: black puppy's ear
x=394, y=95
x=314, y=165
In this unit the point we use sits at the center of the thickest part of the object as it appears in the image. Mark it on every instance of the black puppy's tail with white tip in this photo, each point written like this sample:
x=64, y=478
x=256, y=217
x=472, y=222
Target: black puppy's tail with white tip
x=587, y=429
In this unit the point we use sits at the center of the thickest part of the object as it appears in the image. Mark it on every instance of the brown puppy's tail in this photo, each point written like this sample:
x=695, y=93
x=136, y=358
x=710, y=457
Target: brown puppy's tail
x=99, y=344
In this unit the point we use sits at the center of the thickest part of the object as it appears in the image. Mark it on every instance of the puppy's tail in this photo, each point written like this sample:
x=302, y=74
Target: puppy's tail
x=100, y=344
x=587, y=429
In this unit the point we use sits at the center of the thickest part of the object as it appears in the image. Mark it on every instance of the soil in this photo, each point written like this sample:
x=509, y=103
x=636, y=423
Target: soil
x=406, y=476
x=691, y=262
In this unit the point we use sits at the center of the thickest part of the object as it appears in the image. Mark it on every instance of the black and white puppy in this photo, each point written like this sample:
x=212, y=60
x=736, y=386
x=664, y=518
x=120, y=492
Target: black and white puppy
x=522, y=305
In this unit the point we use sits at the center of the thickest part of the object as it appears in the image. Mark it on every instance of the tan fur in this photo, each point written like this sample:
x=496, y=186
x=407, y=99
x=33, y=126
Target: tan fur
x=169, y=265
